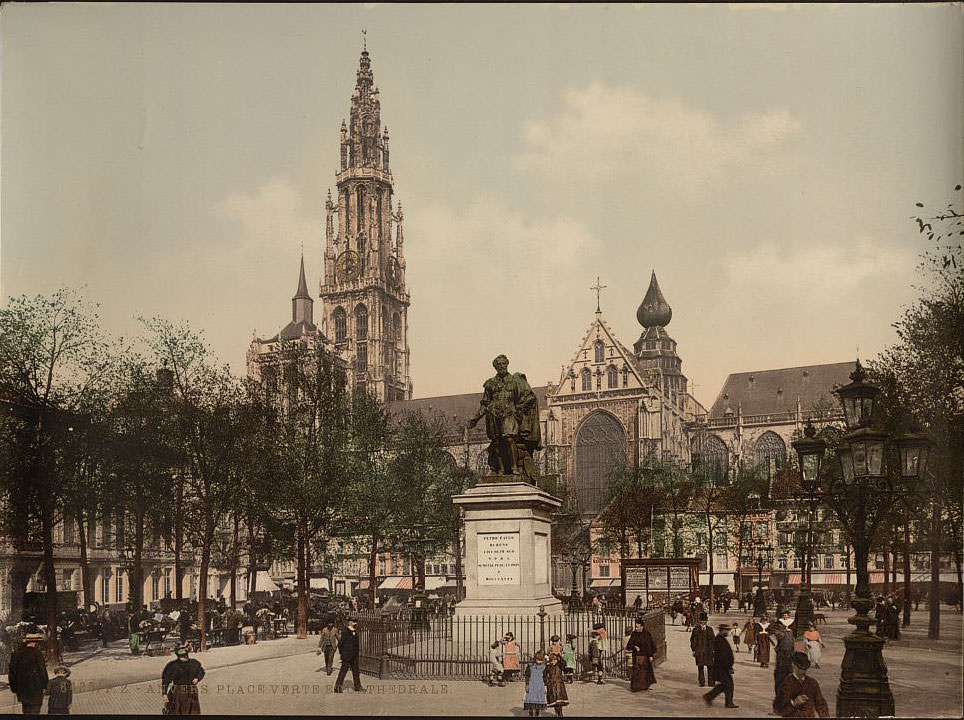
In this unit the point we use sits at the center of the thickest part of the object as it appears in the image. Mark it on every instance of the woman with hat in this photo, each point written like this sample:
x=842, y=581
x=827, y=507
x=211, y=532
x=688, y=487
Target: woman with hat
x=179, y=684
x=643, y=647
x=814, y=644
x=28, y=675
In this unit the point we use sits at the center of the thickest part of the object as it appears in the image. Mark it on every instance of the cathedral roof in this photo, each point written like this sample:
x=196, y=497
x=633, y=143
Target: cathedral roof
x=654, y=310
x=455, y=410
x=302, y=292
x=294, y=330
x=773, y=391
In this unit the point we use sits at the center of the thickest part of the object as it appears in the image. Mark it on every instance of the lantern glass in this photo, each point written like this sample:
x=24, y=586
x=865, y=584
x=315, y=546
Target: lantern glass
x=810, y=467
x=868, y=457
x=846, y=465
x=913, y=450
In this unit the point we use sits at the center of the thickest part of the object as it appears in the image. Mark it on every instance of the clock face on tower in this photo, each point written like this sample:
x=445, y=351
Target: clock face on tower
x=346, y=267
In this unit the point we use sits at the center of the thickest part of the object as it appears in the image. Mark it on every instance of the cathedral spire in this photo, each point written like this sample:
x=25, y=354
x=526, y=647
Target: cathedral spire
x=654, y=311
x=301, y=303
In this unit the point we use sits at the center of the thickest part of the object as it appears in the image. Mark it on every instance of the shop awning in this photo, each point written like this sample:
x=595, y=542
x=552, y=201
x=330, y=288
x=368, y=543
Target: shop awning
x=434, y=582
x=605, y=583
x=363, y=585
x=264, y=583
x=319, y=583
x=396, y=583
x=721, y=578
x=876, y=578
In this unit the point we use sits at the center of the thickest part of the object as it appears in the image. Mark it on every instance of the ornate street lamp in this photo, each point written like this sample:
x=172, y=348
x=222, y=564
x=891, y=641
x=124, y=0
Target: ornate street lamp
x=810, y=450
x=864, y=690
x=759, y=555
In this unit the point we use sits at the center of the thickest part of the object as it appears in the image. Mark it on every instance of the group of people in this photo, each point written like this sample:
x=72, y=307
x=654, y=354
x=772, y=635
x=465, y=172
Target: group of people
x=29, y=680
x=887, y=614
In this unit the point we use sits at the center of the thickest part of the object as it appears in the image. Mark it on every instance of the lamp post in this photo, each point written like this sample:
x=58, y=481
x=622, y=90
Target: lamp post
x=810, y=450
x=864, y=690
x=759, y=555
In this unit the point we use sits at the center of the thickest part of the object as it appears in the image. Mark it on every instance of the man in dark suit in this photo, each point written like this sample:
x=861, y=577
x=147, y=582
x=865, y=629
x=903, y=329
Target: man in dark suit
x=722, y=673
x=348, y=649
x=28, y=675
x=701, y=643
x=799, y=695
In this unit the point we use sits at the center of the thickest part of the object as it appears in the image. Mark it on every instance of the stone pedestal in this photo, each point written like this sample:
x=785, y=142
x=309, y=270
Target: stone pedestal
x=508, y=543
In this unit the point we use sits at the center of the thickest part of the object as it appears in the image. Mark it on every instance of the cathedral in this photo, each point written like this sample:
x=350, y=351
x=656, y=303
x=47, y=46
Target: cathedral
x=364, y=300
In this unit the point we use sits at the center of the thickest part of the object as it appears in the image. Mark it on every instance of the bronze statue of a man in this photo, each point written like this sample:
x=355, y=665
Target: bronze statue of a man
x=511, y=413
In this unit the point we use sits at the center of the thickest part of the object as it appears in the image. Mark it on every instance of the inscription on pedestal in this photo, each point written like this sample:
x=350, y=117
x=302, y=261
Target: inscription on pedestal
x=498, y=558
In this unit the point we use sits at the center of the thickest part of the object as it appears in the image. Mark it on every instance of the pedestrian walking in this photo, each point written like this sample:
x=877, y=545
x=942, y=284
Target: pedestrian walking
x=511, y=660
x=637, y=603
x=701, y=645
x=783, y=652
x=27, y=676
x=569, y=657
x=595, y=657
x=495, y=664
x=749, y=636
x=327, y=642
x=814, y=644
x=535, y=697
x=762, y=655
x=735, y=635
x=555, y=679
x=798, y=694
x=60, y=692
x=722, y=672
x=348, y=650
x=179, y=682
x=643, y=647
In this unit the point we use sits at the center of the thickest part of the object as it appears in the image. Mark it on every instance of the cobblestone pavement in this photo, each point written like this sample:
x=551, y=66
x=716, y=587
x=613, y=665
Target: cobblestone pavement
x=286, y=677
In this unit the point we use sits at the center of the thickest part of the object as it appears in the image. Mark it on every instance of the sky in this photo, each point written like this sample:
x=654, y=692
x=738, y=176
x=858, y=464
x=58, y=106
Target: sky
x=764, y=160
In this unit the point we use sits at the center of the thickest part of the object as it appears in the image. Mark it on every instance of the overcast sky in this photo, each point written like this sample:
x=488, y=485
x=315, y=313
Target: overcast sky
x=765, y=161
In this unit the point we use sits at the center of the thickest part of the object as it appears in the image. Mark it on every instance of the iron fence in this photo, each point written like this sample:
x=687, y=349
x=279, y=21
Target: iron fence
x=400, y=646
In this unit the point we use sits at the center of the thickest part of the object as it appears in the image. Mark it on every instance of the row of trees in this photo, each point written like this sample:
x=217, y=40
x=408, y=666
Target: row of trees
x=166, y=443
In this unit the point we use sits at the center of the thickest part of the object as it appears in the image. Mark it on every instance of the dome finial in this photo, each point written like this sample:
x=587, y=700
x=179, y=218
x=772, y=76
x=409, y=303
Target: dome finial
x=654, y=311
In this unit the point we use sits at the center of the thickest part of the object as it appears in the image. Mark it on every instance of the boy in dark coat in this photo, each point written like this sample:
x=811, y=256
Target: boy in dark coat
x=348, y=649
x=28, y=675
x=701, y=643
x=722, y=673
x=60, y=692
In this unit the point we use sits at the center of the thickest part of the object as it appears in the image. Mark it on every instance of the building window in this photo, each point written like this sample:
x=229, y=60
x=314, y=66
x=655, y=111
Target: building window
x=714, y=460
x=68, y=580
x=361, y=323
x=586, y=380
x=167, y=583
x=878, y=562
x=770, y=452
x=340, y=320
x=600, y=445
x=599, y=351
x=381, y=566
x=796, y=563
x=156, y=585
x=612, y=376
x=360, y=216
x=69, y=531
x=119, y=587
x=604, y=571
x=782, y=562
x=361, y=357
x=828, y=562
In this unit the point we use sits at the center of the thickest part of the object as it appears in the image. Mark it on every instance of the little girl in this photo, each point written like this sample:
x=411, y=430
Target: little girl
x=535, y=697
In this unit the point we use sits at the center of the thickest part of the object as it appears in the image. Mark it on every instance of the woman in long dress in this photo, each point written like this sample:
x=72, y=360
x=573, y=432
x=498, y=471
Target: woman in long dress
x=814, y=644
x=749, y=636
x=535, y=697
x=643, y=648
x=555, y=678
x=762, y=654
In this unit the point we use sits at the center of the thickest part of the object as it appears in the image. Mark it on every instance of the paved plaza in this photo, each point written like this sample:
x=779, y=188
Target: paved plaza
x=283, y=677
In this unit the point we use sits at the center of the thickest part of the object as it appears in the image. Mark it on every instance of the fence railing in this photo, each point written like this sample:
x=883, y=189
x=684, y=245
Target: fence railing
x=404, y=645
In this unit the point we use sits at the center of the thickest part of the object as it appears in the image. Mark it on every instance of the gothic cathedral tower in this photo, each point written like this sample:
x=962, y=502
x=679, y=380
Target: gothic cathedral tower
x=363, y=293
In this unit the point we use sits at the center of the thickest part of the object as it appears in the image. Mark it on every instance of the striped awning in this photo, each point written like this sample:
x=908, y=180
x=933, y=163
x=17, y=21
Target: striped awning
x=396, y=583
x=363, y=585
x=876, y=578
x=605, y=583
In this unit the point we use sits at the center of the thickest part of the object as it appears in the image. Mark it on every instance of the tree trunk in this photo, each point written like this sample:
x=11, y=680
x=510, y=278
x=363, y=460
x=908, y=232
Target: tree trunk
x=50, y=576
x=179, y=539
x=137, y=571
x=86, y=577
x=459, y=588
x=848, y=548
x=886, y=572
x=302, y=578
x=372, y=557
x=234, y=563
x=906, y=621
x=202, y=593
x=934, y=603
x=252, y=558
x=709, y=562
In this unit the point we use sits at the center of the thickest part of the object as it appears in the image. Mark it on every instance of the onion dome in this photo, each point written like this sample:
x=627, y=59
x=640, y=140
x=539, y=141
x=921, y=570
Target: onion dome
x=654, y=310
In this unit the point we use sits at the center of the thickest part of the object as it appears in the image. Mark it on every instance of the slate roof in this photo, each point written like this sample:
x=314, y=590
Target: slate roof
x=772, y=391
x=455, y=409
x=293, y=331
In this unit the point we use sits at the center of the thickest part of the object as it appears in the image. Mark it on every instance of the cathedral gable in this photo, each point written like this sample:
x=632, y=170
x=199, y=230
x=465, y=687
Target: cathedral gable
x=610, y=366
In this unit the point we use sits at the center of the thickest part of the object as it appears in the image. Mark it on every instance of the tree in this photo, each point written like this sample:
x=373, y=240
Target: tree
x=922, y=377
x=205, y=403
x=53, y=356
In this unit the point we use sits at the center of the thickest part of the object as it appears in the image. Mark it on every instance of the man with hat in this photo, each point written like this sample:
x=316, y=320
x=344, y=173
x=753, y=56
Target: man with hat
x=60, y=692
x=701, y=644
x=722, y=673
x=783, y=650
x=179, y=683
x=28, y=675
x=348, y=649
x=798, y=694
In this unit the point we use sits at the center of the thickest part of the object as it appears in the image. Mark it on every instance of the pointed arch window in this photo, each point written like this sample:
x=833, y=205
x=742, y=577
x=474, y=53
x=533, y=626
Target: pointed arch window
x=361, y=357
x=600, y=446
x=360, y=214
x=600, y=351
x=714, y=460
x=586, y=380
x=340, y=321
x=612, y=377
x=770, y=451
x=361, y=323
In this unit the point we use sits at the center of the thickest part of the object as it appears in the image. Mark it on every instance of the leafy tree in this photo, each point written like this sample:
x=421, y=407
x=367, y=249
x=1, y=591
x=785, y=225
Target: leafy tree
x=53, y=356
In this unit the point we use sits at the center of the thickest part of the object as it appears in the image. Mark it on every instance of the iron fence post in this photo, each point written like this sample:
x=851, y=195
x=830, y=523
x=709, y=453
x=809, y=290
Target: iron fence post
x=542, y=627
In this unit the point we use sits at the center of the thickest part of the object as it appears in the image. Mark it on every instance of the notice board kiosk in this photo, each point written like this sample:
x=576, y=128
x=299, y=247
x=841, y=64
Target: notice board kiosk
x=658, y=581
